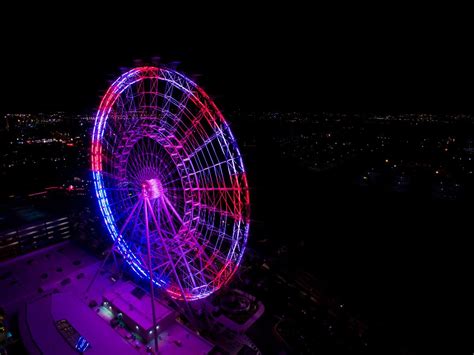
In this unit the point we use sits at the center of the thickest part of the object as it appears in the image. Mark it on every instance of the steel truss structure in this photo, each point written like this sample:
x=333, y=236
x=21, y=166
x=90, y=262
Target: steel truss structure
x=170, y=182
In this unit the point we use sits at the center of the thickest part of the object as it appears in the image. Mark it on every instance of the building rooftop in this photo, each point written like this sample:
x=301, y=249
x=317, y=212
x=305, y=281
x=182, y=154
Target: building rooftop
x=137, y=306
x=22, y=278
x=179, y=340
x=41, y=315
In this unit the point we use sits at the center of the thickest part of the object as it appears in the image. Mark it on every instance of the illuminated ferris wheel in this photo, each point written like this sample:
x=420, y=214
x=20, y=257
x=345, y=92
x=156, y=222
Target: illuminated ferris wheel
x=170, y=182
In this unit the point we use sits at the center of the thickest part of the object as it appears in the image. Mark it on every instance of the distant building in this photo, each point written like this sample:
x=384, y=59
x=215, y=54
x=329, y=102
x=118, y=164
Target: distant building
x=28, y=237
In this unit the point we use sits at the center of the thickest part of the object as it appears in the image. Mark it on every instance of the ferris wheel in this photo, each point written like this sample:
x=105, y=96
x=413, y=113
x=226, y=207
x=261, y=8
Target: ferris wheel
x=170, y=182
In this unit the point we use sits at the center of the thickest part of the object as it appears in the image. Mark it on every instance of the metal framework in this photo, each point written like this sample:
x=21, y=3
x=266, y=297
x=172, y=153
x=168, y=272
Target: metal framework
x=170, y=182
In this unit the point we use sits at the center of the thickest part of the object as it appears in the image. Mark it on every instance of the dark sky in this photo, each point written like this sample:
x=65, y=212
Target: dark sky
x=299, y=59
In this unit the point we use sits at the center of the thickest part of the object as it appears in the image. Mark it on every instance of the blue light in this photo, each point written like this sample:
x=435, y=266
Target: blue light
x=82, y=344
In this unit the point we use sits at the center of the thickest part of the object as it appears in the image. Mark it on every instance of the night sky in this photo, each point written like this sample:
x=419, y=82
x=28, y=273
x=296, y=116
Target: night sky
x=294, y=60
